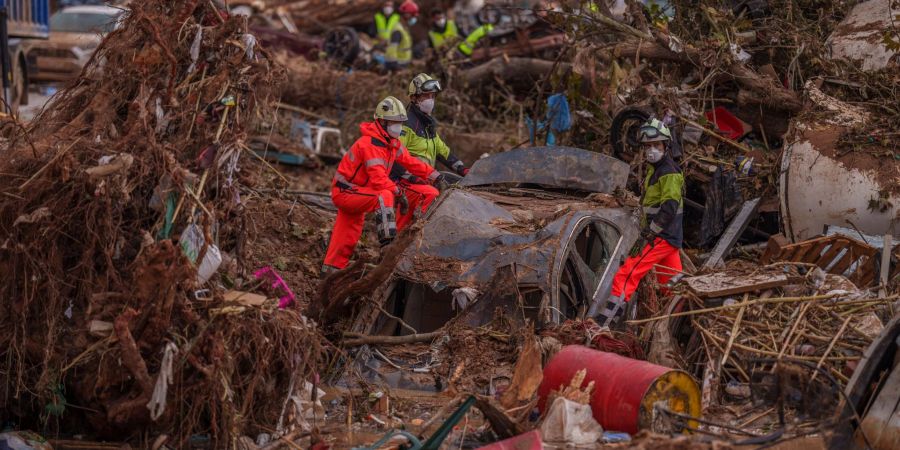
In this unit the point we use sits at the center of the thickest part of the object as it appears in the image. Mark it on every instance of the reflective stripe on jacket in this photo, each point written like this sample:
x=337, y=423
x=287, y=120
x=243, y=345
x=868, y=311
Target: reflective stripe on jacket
x=421, y=138
x=440, y=39
x=664, y=201
x=370, y=159
x=399, y=49
x=468, y=46
x=384, y=25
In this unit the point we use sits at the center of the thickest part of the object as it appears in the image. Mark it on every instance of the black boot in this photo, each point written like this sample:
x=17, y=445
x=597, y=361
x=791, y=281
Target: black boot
x=612, y=311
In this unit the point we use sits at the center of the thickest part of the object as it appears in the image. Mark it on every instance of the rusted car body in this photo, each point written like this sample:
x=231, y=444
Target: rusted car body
x=537, y=233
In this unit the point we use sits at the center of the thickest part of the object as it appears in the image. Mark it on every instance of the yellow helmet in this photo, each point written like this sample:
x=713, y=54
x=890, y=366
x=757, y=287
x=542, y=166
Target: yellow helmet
x=422, y=84
x=390, y=109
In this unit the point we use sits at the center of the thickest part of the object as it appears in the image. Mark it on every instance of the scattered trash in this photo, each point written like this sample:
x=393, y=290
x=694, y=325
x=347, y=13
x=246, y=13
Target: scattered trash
x=527, y=441
x=570, y=423
x=626, y=391
x=192, y=243
x=269, y=274
x=23, y=440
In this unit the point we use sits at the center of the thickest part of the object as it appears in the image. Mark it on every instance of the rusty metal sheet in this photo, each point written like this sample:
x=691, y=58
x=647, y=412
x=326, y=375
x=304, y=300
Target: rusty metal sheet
x=554, y=167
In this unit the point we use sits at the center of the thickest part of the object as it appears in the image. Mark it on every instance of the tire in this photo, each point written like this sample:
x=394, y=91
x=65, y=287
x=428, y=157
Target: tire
x=341, y=45
x=623, y=131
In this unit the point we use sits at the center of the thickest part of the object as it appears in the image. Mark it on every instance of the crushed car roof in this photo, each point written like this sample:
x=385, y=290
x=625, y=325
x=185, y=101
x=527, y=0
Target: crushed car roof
x=552, y=167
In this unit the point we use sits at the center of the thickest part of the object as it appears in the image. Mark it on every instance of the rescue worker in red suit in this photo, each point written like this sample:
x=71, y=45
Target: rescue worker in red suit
x=662, y=224
x=361, y=184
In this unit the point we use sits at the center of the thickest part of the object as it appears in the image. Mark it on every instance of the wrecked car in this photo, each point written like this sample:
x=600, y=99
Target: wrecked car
x=537, y=233
x=75, y=32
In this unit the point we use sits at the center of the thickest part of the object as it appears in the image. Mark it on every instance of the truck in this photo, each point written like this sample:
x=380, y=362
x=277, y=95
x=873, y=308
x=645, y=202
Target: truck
x=24, y=20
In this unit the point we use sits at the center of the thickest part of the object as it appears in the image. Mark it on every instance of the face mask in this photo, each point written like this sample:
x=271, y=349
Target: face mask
x=654, y=154
x=413, y=21
x=440, y=23
x=395, y=129
x=427, y=105
x=388, y=10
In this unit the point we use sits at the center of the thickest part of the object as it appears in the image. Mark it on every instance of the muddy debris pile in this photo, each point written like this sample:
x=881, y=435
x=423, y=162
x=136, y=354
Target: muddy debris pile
x=120, y=202
x=164, y=221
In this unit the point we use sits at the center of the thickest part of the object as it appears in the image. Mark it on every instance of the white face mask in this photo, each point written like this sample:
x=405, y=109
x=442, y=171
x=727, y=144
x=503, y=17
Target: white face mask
x=388, y=10
x=427, y=106
x=395, y=129
x=440, y=23
x=654, y=154
x=413, y=20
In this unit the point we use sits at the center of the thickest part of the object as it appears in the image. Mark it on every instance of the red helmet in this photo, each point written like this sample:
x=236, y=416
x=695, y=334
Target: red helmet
x=409, y=7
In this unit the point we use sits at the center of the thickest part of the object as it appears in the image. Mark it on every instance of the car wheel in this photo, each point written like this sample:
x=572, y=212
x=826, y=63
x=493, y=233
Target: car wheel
x=623, y=132
x=341, y=45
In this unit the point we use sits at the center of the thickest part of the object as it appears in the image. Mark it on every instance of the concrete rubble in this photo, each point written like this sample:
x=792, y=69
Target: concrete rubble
x=163, y=222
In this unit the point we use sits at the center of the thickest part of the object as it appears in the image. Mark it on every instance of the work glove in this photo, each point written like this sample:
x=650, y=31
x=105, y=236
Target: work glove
x=648, y=235
x=402, y=204
x=441, y=183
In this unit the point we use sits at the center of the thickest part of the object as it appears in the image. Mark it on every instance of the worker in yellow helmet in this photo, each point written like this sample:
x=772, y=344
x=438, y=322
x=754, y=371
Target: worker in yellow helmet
x=468, y=45
x=443, y=32
x=385, y=20
x=400, y=45
x=420, y=129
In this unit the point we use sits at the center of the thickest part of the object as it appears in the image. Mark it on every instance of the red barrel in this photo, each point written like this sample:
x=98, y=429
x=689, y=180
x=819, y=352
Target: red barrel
x=625, y=389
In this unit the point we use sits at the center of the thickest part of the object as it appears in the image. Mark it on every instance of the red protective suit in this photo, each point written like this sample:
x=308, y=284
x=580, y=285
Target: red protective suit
x=361, y=185
x=662, y=255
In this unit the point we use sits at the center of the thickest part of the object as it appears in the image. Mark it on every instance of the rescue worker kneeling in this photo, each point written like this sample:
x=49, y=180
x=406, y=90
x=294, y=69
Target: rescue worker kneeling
x=361, y=184
x=662, y=230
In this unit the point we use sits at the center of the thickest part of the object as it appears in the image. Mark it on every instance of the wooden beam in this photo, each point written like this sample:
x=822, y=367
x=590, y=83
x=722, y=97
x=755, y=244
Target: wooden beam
x=721, y=284
x=732, y=234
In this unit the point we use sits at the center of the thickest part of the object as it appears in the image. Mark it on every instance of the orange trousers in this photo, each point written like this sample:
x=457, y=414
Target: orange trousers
x=353, y=204
x=661, y=255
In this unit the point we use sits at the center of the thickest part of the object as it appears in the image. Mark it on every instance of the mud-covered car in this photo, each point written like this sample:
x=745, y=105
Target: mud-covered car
x=537, y=233
x=75, y=32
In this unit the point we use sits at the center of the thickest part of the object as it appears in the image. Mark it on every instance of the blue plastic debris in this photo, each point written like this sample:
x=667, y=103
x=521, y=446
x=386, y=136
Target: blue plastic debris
x=558, y=117
x=612, y=437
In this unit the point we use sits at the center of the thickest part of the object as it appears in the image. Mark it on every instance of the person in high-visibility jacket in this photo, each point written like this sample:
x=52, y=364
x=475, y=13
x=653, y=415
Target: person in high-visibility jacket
x=400, y=45
x=420, y=134
x=467, y=46
x=362, y=184
x=443, y=32
x=662, y=224
x=385, y=20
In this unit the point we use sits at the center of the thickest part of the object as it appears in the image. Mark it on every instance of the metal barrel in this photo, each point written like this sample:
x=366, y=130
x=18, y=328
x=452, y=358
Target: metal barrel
x=626, y=390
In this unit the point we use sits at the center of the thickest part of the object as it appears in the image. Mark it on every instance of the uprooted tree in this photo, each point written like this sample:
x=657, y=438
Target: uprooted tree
x=102, y=322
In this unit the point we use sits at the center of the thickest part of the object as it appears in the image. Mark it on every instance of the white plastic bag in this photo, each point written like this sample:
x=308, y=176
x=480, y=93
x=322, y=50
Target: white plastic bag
x=191, y=243
x=570, y=423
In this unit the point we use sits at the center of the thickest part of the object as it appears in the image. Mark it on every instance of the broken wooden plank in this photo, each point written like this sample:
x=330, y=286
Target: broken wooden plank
x=722, y=284
x=775, y=248
x=836, y=253
x=835, y=249
x=885, y=264
x=878, y=425
x=244, y=298
x=732, y=233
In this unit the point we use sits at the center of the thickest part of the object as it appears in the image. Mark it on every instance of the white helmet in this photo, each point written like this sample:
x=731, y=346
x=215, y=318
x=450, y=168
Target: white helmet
x=654, y=131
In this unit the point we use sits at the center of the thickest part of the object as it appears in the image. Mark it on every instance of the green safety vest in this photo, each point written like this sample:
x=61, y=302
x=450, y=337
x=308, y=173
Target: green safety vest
x=438, y=40
x=399, y=52
x=468, y=46
x=659, y=188
x=384, y=25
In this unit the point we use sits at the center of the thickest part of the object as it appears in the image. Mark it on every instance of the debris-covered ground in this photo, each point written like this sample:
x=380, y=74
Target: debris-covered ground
x=164, y=218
